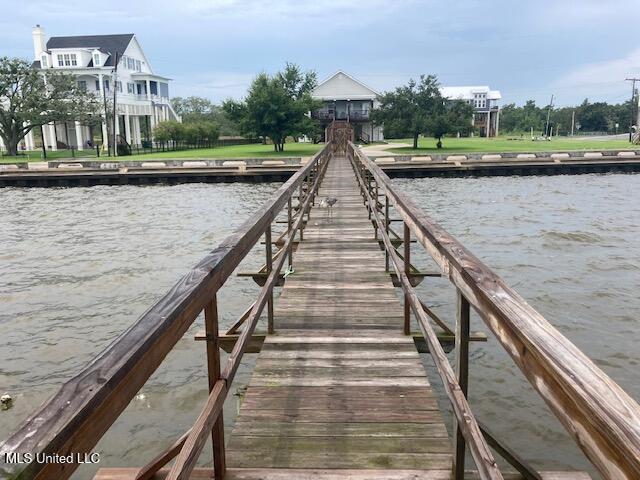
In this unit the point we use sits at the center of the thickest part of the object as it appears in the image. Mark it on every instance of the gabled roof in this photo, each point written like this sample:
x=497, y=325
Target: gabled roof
x=342, y=86
x=109, y=44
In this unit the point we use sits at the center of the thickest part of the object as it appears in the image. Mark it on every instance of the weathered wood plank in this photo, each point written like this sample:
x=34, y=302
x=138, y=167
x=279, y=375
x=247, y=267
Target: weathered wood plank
x=338, y=385
x=324, y=474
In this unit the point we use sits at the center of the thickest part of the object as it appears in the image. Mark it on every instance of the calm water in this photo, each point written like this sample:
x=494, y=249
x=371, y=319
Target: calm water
x=77, y=266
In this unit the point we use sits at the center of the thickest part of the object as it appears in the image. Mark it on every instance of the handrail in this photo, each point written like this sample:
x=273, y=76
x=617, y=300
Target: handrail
x=186, y=459
x=600, y=416
x=486, y=464
x=76, y=417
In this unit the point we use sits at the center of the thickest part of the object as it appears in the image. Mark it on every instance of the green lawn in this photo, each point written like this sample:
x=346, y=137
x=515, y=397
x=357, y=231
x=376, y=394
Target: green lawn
x=503, y=144
x=234, y=151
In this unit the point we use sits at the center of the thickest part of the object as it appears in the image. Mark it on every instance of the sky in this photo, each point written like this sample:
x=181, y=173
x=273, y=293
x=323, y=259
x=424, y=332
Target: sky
x=213, y=48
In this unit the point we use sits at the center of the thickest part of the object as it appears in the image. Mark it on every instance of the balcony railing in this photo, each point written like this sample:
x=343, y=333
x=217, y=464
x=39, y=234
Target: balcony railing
x=354, y=115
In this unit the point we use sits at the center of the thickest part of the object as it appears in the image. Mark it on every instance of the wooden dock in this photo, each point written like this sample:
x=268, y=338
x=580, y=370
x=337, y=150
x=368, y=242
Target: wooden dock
x=339, y=390
x=339, y=385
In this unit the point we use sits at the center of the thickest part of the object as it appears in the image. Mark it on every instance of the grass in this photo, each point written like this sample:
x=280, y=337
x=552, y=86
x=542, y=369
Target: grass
x=503, y=144
x=234, y=151
x=425, y=145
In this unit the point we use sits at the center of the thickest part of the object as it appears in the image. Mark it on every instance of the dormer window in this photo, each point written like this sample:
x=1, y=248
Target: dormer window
x=96, y=59
x=67, y=60
x=44, y=63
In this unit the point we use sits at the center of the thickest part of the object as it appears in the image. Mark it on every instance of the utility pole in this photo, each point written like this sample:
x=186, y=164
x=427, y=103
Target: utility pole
x=573, y=120
x=546, y=128
x=115, y=110
x=633, y=97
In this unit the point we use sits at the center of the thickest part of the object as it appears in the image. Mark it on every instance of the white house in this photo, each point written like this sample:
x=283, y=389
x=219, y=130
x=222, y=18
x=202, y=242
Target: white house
x=345, y=98
x=142, y=95
x=485, y=103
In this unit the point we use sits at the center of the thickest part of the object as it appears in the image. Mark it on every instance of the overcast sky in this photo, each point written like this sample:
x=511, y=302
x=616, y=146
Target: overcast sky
x=213, y=48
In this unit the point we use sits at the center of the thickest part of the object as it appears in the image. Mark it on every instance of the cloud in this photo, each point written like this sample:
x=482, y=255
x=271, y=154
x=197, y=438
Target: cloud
x=605, y=78
x=217, y=86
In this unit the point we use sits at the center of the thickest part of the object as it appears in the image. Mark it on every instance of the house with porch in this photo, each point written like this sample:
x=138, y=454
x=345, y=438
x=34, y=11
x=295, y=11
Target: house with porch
x=142, y=96
x=347, y=99
x=485, y=103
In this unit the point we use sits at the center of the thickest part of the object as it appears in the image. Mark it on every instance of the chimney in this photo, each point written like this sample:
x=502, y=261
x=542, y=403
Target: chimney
x=39, y=44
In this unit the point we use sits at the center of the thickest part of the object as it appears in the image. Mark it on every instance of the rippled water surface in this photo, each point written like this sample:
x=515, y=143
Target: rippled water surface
x=79, y=265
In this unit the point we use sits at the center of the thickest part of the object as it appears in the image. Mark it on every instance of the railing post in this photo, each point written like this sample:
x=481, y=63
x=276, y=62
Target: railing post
x=375, y=223
x=300, y=212
x=213, y=368
x=407, y=271
x=269, y=252
x=462, y=373
x=289, y=232
x=386, y=229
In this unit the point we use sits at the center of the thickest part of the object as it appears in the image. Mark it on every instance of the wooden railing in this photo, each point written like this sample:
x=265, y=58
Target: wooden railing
x=601, y=417
x=76, y=417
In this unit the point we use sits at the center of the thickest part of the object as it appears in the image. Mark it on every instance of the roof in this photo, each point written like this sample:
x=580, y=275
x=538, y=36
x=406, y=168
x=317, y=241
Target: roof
x=467, y=92
x=342, y=86
x=109, y=44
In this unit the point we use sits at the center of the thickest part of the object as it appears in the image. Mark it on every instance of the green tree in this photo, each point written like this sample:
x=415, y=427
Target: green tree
x=30, y=98
x=169, y=131
x=276, y=106
x=419, y=108
x=198, y=109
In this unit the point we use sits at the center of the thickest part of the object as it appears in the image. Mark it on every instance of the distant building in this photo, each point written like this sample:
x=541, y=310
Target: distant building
x=142, y=95
x=485, y=103
x=345, y=98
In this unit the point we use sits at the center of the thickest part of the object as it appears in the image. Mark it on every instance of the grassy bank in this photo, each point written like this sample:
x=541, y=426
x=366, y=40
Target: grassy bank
x=504, y=144
x=233, y=151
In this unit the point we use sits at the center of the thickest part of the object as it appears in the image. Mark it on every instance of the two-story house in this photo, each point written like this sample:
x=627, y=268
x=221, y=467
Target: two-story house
x=348, y=99
x=486, y=116
x=142, y=96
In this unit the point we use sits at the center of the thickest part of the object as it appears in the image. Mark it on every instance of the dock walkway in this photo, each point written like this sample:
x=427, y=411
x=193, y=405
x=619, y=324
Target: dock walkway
x=339, y=385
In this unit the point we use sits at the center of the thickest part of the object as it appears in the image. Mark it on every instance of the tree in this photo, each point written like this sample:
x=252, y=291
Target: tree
x=30, y=98
x=198, y=109
x=456, y=117
x=419, y=108
x=276, y=106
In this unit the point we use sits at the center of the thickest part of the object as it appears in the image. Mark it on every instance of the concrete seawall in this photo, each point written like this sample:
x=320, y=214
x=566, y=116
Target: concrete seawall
x=95, y=172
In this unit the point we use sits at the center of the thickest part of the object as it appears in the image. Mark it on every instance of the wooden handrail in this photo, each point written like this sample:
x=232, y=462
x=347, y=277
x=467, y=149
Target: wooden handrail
x=186, y=460
x=485, y=463
x=76, y=417
x=600, y=416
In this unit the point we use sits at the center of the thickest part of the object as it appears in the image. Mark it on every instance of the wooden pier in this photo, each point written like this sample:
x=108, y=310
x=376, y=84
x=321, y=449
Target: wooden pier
x=339, y=390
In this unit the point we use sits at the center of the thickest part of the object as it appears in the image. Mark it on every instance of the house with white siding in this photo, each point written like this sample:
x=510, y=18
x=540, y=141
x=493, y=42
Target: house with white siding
x=347, y=99
x=485, y=103
x=142, y=95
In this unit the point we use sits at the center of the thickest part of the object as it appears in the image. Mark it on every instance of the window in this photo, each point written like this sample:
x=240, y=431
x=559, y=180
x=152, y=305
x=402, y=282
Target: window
x=106, y=84
x=43, y=62
x=131, y=88
x=119, y=86
x=138, y=66
x=123, y=60
x=74, y=62
x=98, y=85
x=96, y=59
x=131, y=64
x=82, y=85
x=60, y=61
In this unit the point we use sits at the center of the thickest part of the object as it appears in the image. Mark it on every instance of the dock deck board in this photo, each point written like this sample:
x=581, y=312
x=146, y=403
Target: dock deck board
x=338, y=386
